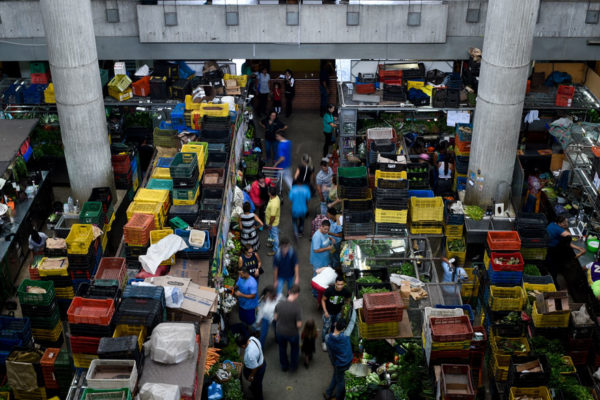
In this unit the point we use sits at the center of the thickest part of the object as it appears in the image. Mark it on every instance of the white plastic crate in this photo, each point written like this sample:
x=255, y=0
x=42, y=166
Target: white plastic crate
x=124, y=372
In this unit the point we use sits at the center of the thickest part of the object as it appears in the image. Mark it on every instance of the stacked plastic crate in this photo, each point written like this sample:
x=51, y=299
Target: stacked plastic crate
x=534, y=238
x=141, y=306
x=380, y=316
x=38, y=303
x=83, y=252
x=57, y=370
x=125, y=166
x=185, y=173
x=136, y=234
x=462, y=149
x=391, y=199
x=89, y=320
x=14, y=332
x=353, y=185
x=104, y=195
x=446, y=332
x=56, y=269
x=426, y=215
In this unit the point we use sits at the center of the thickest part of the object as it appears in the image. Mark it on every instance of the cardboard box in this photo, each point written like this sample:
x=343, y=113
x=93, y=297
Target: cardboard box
x=553, y=302
x=199, y=300
x=196, y=270
x=170, y=281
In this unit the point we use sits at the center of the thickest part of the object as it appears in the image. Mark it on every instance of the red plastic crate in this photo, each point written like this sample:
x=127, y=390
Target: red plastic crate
x=392, y=82
x=456, y=370
x=504, y=240
x=40, y=78
x=451, y=329
x=136, y=231
x=449, y=355
x=479, y=345
x=505, y=267
x=141, y=87
x=121, y=163
x=462, y=146
x=34, y=274
x=111, y=268
x=364, y=88
x=382, y=307
x=391, y=74
x=564, y=95
x=85, y=345
x=91, y=311
x=80, y=274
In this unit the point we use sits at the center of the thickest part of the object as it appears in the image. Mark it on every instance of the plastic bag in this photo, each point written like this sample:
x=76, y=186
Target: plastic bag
x=159, y=391
x=215, y=391
x=581, y=316
x=172, y=343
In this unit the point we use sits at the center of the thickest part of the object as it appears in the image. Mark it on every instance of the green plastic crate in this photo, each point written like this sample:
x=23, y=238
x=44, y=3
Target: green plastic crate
x=160, y=184
x=38, y=67
x=106, y=394
x=186, y=194
x=183, y=165
x=36, y=299
x=103, y=77
x=352, y=172
x=178, y=223
x=92, y=213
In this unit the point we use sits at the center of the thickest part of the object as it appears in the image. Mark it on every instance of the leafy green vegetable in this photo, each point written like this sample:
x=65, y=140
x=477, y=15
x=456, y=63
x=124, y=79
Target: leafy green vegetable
x=531, y=269
x=367, y=289
x=474, y=212
x=406, y=268
x=368, y=279
x=456, y=245
x=232, y=390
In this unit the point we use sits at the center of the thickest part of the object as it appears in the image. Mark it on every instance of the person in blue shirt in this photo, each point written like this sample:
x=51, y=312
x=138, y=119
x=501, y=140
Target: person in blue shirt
x=560, y=248
x=340, y=354
x=284, y=159
x=246, y=290
x=300, y=197
x=452, y=273
x=285, y=266
x=328, y=126
x=320, y=249
x=335, y=232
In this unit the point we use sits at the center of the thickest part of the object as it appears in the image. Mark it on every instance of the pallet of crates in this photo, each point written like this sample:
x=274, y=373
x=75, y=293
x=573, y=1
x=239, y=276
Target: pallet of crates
x=89, y=320
x=426, y=215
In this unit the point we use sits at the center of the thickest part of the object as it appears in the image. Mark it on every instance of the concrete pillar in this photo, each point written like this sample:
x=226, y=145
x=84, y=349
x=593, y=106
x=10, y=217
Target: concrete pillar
x=506, y=56
x=73, y=60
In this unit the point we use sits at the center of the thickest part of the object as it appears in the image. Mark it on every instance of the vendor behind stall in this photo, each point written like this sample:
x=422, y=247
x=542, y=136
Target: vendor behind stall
x=534, y=186
x=561, y=249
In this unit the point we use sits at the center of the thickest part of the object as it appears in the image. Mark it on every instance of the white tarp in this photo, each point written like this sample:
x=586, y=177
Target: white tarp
x=161, y=251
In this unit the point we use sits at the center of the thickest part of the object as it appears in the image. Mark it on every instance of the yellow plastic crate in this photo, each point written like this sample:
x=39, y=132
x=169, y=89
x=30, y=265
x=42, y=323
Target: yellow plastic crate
x=470, y=288
x=161, y=173
x=426, y=209
x=48, y=335
x=418, y=230
x=389, y=175
x=454, y=230
x=379, y=330
x=507, y=298
x=201, y=156
x=242, y=80
x=500, y=360
x=442, y=346
x=190, y=105
x=201, y=153
x=155, y=196
x=47, y=266
x=459, y=255
x=548, y=287
x=155, y=209
x=65, y=293
x=540, y=392
x=104, y=241
x=214, y=110
x=500, y=372
x=131, y=330
x=156, y=236
x=80, y=238
x=391, y=216
x=120, y=96
x=119, y=83
x=557, y=320
x=49, y=96
x=83, y=360
x=486, y=259
x=5, y=395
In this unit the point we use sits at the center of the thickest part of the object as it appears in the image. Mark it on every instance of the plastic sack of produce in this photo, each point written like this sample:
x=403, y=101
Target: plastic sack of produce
x=163, y=250
x=172, y=343
x=159, y=391
x=215, y=391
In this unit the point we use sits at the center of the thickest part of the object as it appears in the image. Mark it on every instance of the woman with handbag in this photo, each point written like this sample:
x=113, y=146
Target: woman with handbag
x=250, y=260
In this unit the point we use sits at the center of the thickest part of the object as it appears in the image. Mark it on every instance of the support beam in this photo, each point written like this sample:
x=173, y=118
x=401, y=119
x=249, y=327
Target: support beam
x=502, y=82
x=74, y=66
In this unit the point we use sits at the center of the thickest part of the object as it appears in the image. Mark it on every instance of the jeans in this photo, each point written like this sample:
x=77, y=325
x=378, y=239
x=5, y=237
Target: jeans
x=327, y=324
x=248, y=317
x=274, y=234
x=256, y=384
x=264, y=330
x=327, y=143
x=270, y=149
x=298, y=224
x=338, y=382
x=283, y=281
x=263, y=98
x=294, y=342
x=323, y=208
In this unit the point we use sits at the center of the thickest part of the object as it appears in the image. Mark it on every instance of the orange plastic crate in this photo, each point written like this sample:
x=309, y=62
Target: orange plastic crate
x=91, y=311
x=141, y=87
x=136, y=231
x=112, y=268
x=504, y=240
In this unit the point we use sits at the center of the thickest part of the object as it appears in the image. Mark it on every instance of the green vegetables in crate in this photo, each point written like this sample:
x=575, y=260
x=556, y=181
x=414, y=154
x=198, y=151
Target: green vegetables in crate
x=474, y=212
x=368, y=290
x=232, y=390
x=507, y=261
x=368, y=279
x=456, y=245
x=405, y=269
x=531, y=269
x=510, y=346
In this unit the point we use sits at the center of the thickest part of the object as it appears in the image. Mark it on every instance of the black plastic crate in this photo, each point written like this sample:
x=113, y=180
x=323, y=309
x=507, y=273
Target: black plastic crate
x=217, y=156
x=560, y=334
x=355, y=216
x=135, y=251
x=360, y=229
x=353, y=182
x=215, y=133
x=91, y=291
x=400, y=184
x=91, y=330
x=494, y=324
x=55, y=253
x=531, y=220
x=119, y=348
x=137, y=311
x=187, y=213
x=528, y=379
x=186, y=183
x=385, y=229
x=159, y=89
x=104, y=195
x=358, y=205
x=392, y=204
x=211, y=205
x=212, y=193
x=346, y=192
x=39, y=311
x=391, y=193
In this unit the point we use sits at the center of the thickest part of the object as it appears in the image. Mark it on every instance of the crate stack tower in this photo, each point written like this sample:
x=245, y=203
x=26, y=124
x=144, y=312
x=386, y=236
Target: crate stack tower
x=136, y=235
x=380, y=316
x=185, y=172
x=353, y=185
x=391, y=199
x=426, y=215
x=83, y=253
x=57, y=370
x=462, y=149
x=140, y=307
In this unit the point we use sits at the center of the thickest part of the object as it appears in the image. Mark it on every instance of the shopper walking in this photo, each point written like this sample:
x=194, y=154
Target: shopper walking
x=300, y=198
x=445, y=169
x=271, y=125
x=309, y=337
x=324, y=183
x=259, y=194
x=254, y=364
x=328, y=127
x=288, y=315
x=284, y=159
x=248, y=221
x=285, y=267
x=272, y=215
x=277, y=97
x=263, y=90
x=320, y=249
x=290, y=91
x=340, y=354
x=266, y=311
x=332, y=302
x=246, y=290
x=250, y=261
x=304, y=172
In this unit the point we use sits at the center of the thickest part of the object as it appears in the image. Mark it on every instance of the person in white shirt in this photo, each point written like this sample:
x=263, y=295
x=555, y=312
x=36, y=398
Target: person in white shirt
x=263, y=90
x=254, y=364
x=37, y=242
x=266, y=310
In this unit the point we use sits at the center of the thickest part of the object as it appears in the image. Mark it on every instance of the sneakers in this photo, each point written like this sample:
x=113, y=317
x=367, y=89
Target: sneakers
x=324, y=346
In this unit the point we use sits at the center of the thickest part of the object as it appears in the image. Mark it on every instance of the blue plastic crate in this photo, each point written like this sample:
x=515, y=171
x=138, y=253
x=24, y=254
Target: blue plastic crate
x=164, y=162
x=462, y=164
x=177, y=117
x=184, y=70
x=465, y=307
x=185, y=235
x=512, y=278
x=420, y=193
x=14, y=332
x=165, y=125
x=145, y=292
x=463, y=136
